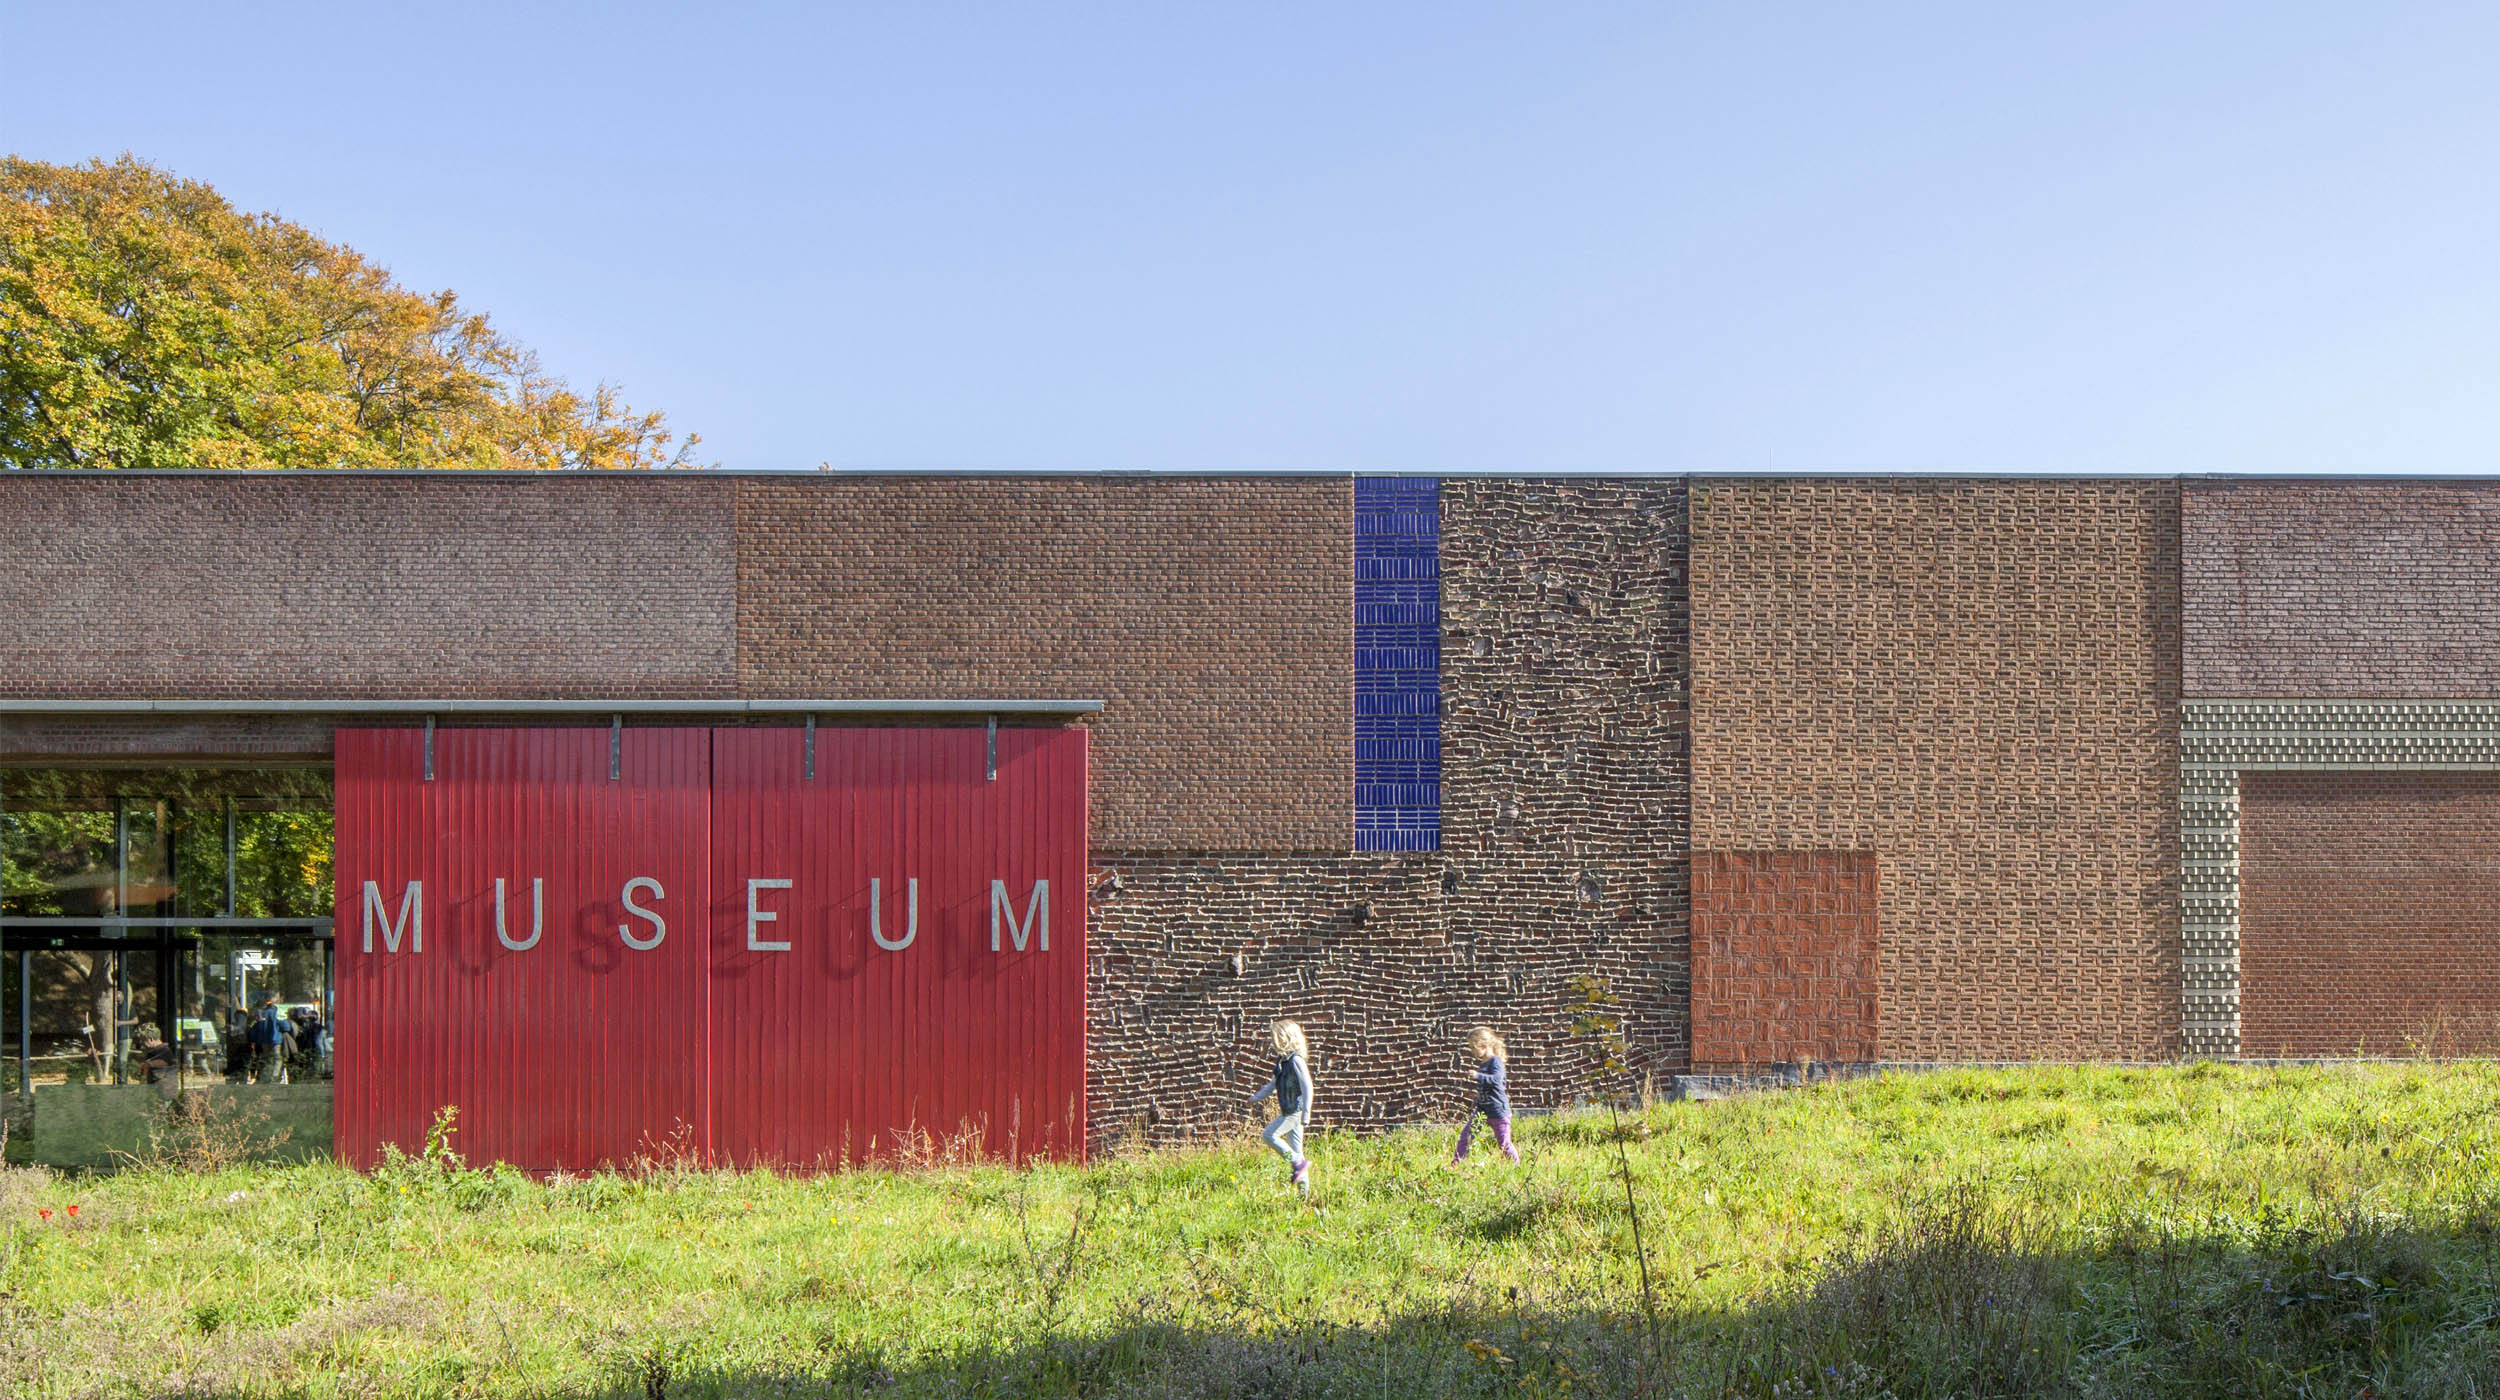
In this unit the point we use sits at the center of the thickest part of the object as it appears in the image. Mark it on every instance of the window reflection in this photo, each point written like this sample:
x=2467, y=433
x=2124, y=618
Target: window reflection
x=133, y=904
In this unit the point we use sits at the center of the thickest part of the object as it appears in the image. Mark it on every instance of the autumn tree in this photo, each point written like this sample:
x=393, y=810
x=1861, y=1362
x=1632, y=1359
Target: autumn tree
x=146, y=322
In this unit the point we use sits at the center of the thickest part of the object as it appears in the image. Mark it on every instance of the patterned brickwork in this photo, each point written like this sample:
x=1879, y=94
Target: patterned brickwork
x=1563, y=680
x=2370, y=913
x=1976, y=681
x=294, y=585
x=1214, y=616
x=2220, y=741
x=2343, y=589
x=1565, y=762
x=1784, y=958
x=1193, y=956
x=1397, y=664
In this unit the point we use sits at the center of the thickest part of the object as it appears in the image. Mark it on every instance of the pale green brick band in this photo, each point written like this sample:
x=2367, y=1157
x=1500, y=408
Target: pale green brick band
x=2221, y=739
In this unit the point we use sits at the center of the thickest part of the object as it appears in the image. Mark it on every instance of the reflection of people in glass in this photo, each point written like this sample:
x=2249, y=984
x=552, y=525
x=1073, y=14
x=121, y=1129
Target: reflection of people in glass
x=304, y=1023
x=272, y=1043
x=157, y=1062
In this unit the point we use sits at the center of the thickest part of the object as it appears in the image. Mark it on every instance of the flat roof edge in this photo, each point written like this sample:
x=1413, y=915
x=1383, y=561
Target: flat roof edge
x=346, y=706
x=1241, y=473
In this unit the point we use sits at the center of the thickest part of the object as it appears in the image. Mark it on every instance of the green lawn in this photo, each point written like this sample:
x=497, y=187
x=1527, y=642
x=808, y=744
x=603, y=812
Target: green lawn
x=2198, y=1230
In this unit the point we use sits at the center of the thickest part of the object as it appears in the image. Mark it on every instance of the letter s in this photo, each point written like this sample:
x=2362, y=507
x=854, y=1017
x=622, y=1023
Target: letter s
x=659, y=926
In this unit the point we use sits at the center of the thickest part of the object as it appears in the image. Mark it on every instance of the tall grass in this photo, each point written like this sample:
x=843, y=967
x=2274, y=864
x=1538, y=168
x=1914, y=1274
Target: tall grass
x=2193, y=1231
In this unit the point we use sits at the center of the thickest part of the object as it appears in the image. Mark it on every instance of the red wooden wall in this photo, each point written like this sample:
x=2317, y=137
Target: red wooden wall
x=582, y=1049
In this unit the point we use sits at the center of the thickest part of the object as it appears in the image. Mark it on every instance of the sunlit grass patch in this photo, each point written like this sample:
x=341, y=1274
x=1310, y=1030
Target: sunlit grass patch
x=2203, y=1230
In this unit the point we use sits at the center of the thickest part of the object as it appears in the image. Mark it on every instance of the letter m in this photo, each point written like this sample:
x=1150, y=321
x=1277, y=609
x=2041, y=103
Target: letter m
x=411, y=923
x=1036, y=909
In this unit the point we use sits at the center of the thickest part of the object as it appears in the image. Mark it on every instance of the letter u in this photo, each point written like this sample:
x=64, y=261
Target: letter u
x=911, y=916
x=538, y=916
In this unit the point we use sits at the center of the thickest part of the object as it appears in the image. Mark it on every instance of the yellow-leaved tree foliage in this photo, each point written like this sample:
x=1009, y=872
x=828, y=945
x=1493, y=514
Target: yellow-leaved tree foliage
x=146, y=322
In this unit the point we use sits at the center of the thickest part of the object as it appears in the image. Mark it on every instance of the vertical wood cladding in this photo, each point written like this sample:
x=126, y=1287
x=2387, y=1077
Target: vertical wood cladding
x=2342, y=589
x=384, y=586
x=1784, y=958
x=1565, y=789
x=1214, y=616
x=1977, y=681
x=2368, y=908
x=1565, y=760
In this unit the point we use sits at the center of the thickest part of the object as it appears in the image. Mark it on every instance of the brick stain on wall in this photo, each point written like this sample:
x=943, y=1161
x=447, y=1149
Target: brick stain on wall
x=2369, y=913
x=1977, y=681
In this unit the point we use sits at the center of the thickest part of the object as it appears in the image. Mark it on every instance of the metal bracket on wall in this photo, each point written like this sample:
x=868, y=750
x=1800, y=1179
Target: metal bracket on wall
x=993, y=762
x=429, y=748
x=616, y=747
x=811, y=748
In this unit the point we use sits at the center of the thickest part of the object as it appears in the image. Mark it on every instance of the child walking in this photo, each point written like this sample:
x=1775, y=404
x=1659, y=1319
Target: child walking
x=1492, y=1094
x=1292, y=1087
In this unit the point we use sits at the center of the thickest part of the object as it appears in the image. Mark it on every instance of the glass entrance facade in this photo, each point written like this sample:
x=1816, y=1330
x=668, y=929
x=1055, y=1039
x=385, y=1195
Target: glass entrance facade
x=149, y=916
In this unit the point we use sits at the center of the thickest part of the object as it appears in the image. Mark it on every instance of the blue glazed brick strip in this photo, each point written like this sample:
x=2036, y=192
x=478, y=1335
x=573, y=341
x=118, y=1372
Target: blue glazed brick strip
x=1397, y=664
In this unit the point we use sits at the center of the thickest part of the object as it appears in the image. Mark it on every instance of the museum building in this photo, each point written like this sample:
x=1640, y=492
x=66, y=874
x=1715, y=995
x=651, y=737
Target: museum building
x=810, y=818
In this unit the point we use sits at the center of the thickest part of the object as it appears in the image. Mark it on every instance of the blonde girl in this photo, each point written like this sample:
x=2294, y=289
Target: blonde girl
x=1492, y=1093
x=1291, y=1085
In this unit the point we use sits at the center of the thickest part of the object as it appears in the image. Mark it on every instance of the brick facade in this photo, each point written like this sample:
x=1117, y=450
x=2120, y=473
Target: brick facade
x=1976, y=681
x=1973, y=685
x=2342, y=589
x=1193, y=956
x=380, y=586
x=1565, y=753
x=1212, y=615
x=1565, y=786
x=193, y=739
x=1784, y=958
x=2369, y=913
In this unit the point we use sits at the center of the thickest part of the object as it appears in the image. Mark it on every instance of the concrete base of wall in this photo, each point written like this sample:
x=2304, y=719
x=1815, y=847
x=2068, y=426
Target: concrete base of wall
x=111, y=1125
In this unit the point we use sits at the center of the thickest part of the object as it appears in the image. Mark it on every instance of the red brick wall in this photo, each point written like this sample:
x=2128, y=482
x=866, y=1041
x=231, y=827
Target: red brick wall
x=2369, y=913
x=1977, y=681
x=297, y=585
x=1214, y=616
x=1784, y=958
x=2342, y=590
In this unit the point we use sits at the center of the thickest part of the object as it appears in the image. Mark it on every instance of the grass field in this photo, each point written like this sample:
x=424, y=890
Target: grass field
x=2190, y=1231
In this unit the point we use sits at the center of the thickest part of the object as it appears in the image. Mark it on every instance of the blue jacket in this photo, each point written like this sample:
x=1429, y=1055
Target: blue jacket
x=1493, y=1089
x=1291, y=1086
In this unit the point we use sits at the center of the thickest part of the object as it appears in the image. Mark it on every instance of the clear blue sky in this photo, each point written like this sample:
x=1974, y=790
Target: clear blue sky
x=2168, y=237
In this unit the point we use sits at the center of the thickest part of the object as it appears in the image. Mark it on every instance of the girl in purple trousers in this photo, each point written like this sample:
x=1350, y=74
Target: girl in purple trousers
x=1492, y=1094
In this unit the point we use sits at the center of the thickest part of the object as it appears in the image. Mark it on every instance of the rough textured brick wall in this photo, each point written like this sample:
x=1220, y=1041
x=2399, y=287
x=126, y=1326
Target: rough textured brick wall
x=2342, y=589
x=2369, y=913
x=1193, y=956
x=1977, y=681
x=1565, y=758
x=1784, y=958
x=1214, y=616
x=295, y=585
x=1564, y=654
